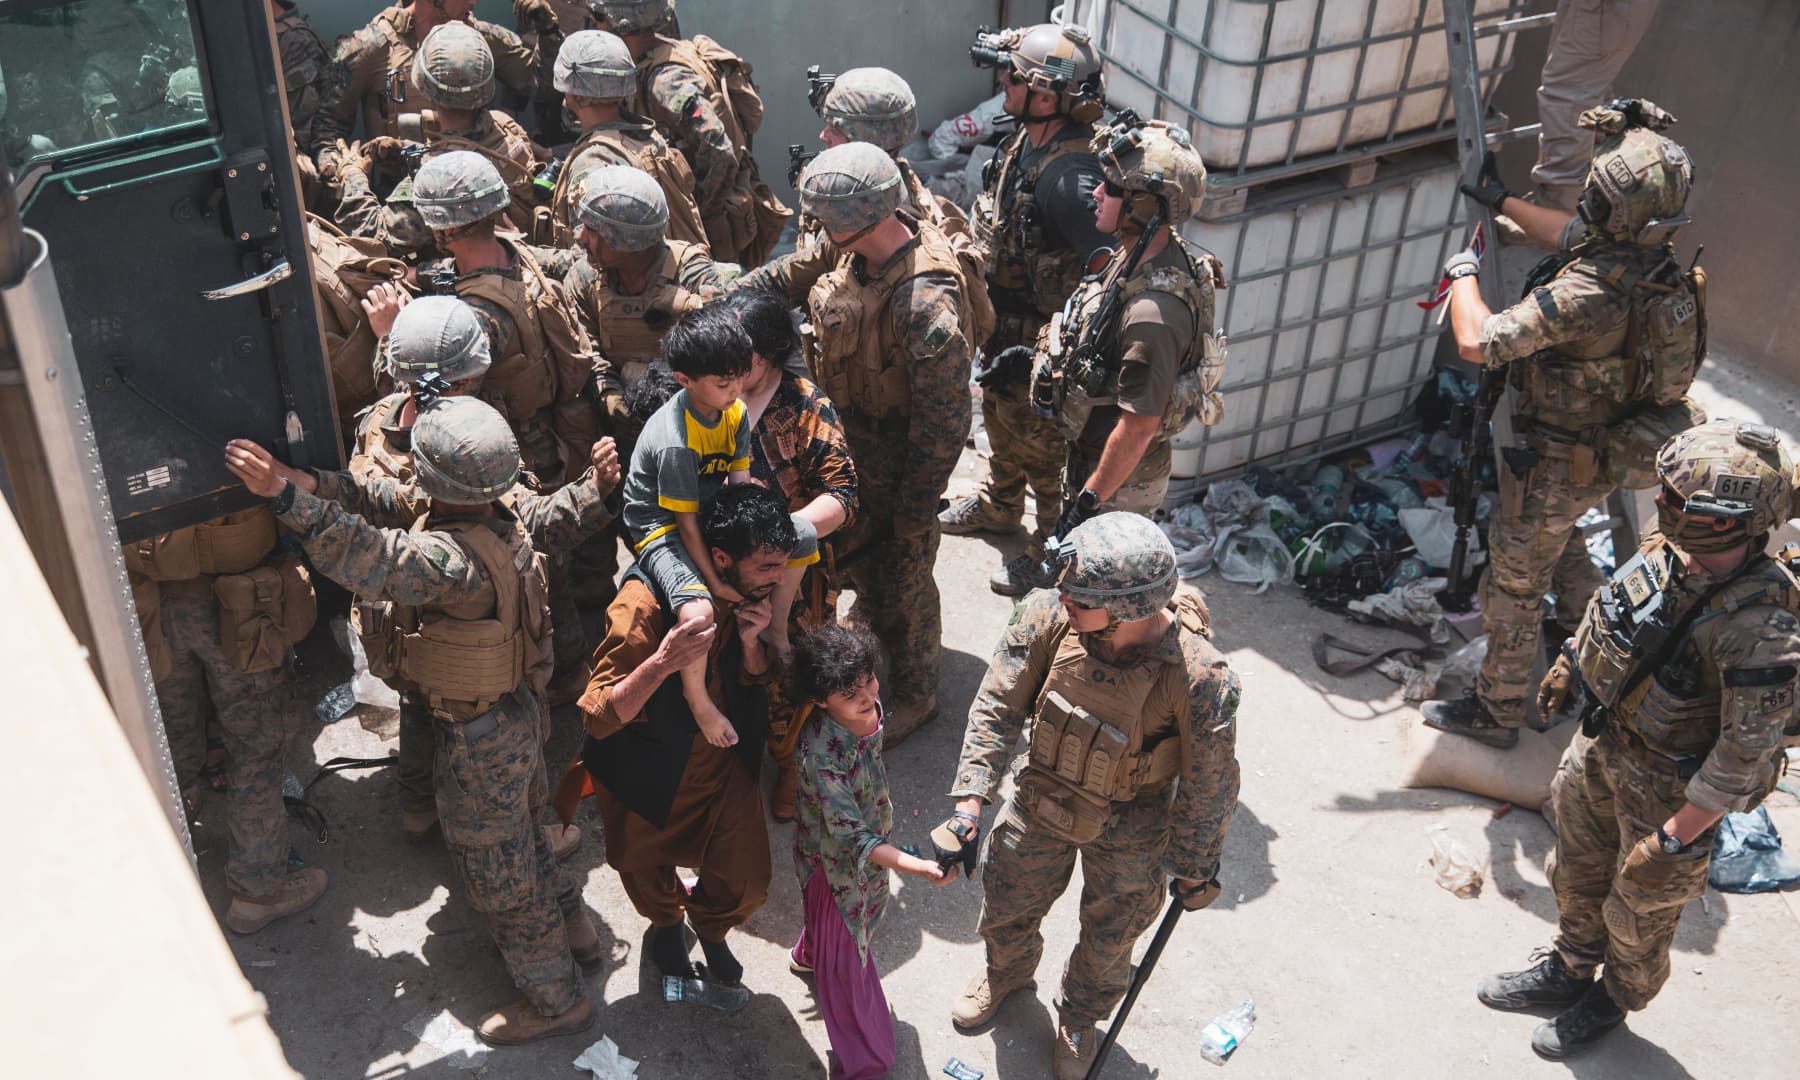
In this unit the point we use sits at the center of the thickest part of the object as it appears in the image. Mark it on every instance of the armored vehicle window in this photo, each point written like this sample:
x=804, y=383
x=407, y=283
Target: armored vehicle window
x=91, y=72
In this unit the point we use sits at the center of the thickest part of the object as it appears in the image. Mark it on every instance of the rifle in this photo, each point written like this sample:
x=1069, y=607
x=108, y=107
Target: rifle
x=797, y=159
x=1085, y=366
x=1467, y=419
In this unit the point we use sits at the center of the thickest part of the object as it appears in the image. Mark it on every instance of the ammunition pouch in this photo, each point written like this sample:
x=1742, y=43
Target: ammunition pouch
x=228, y=545
x=264, y=612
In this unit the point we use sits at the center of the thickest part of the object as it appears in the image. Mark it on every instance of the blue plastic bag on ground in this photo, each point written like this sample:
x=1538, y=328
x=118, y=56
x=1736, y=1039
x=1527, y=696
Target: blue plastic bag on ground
x=1747, y=855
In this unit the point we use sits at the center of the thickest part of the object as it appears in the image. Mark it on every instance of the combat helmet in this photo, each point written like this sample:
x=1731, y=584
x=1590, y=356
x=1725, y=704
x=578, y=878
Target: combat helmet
x=1120, y=562
x=595, y=64
x=625, y=206
x=1638, y=184
x=1152, y=160
x=437, y=335
x=183, y=92
x=629, y=16
x=851, y=188
x=1061, y=60
x=464, y=451
x=872, y=105
x=454, y=68
x=459, y=188
x=1726, y=470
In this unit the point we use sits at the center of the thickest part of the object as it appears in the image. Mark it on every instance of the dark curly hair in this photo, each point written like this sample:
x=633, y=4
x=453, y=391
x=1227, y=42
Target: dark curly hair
x=707, y=341
x=830, y=659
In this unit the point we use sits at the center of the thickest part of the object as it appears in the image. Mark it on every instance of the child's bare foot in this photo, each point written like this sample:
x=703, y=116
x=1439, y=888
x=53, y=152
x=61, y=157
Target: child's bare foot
x=714, y=726
x=777, y=640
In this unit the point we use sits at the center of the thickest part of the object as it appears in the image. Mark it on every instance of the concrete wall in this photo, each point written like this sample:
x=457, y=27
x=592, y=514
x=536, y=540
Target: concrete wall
x=926, y=41
x=1725, y=68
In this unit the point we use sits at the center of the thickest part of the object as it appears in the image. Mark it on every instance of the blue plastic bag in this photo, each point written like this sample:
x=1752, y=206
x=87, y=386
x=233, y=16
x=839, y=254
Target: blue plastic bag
x=1747, y=855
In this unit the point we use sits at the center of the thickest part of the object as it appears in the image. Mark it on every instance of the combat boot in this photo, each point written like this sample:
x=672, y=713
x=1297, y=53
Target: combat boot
x=584, y=940
x=562, y=839
x=908, y=715
x=296, y=893
x=1468, y=717
x=1579, y=1026
x=969, y=515
x=1547, y=982
x=1075, y=1047
x=1019, y=575
x=520, y=1023
x=418, y=824
x=982, y=998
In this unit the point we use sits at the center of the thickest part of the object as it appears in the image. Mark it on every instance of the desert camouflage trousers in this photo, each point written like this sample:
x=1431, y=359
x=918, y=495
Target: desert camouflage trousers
x=257, y=714
x=1608, y=794
x=896, y=594
x=1141, y=493
x=1025, y=450
x=1531, y=552
x=1026, y=869
x=490, y=783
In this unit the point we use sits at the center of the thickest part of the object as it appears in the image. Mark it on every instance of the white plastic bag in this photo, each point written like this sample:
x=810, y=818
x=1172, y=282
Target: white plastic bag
x=968, y=129
x=1432, y=529
x=1256, y=556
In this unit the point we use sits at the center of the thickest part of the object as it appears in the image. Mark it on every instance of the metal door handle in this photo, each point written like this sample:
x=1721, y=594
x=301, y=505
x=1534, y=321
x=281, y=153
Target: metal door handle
x=274, y=275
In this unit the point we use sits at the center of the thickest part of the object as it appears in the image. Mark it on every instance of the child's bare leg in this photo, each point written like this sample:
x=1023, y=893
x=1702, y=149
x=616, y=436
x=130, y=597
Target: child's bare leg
x=712, y=722
x=776, y=633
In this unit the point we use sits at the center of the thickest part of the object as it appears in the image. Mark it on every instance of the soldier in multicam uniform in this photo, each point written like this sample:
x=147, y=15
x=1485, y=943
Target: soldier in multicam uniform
x=545, y=26
x=180, y=582
x=890, y=344
x=380, y=79
x=465, y=624
x=1036, y=224
x=1124, y=375
x=597, y=77
x=700, y=97
x=1601, y=356
x=1689, y=662
x=1117, y=661
x=454, y=69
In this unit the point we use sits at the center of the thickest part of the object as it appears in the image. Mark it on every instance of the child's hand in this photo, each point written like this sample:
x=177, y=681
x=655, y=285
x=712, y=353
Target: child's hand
x=924, y=868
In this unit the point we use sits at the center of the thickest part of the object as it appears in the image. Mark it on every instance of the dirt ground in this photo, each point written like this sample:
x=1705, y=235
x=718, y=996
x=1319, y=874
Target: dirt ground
x=1359, y=964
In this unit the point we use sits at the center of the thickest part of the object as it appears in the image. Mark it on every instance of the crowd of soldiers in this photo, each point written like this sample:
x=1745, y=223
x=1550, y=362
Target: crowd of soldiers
x=497, y=302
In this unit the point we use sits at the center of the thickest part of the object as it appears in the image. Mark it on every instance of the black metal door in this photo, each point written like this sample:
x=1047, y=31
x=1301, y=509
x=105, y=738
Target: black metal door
x=152, y=150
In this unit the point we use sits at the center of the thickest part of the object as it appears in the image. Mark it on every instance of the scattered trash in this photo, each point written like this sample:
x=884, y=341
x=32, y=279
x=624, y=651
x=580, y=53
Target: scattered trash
x=443, y=1032
x=1256, y=556
x=1747, y=855
x=1502, y=810
x=955, y=1069
x=1414, y=603
x=367, y=688
x=967, y=130
x=605, y=1062
x=1457, y=870
x=1220, y=1037
x=694, y=991
x=336, y=704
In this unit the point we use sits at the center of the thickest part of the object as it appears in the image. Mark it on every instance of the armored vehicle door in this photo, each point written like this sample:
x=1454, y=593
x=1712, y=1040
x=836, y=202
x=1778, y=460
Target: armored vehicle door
x=151, y=148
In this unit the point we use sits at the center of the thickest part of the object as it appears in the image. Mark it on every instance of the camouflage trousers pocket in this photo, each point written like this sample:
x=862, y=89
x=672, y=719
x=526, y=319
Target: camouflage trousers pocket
x=499, y=876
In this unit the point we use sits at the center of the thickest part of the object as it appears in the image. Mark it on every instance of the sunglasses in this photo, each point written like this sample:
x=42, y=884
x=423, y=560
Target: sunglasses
x=1112, y=190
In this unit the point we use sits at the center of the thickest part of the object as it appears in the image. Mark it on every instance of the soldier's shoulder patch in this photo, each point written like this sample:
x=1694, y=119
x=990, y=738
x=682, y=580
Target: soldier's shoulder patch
x=437, y=553
x=936, y=334
x=1779, y=699
x=1778, y=624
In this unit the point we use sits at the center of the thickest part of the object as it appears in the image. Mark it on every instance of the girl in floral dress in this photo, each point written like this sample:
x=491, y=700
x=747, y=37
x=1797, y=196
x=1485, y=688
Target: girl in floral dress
x=841, y=848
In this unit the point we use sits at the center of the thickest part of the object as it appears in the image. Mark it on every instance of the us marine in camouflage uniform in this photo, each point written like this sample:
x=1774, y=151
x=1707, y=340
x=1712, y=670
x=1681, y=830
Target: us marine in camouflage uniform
x=597, y=77
x=890, y=346
x=1601, y=355
x=439, y=338
x=313, y=81
x=470, y=565
x=1688, y=661
x=175, y=579
x=545, y=26
x=700, y=97
x=1035, y=222
x=871, y=105
x=381, y=81
x=1118, y=661
x=455, y=72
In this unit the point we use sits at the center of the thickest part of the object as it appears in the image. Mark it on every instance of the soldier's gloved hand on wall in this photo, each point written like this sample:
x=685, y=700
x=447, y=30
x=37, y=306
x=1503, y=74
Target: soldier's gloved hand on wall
x=1488, y=190
x=957, y=840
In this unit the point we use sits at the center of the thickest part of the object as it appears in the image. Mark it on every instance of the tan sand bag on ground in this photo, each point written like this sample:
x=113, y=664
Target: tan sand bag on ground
x=1521, y=776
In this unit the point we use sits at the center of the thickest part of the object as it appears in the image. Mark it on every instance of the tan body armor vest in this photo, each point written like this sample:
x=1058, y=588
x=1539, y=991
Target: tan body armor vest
x=633, y=141
x=1102, y=734
x=930, y=206
x=627, y=339
x=849, y=345
x=1065, y=345
x=504, y=143
x=1004, y=226
x=522, y=381
x=375, y=455
x=345, y=268
x=463, y=658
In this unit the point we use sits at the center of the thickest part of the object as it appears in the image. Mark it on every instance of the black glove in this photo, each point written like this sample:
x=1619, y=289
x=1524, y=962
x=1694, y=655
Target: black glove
x=1078, y=510
x=1487, y=189
x=1197, y=898
x=957, y=840
x=1011, y=368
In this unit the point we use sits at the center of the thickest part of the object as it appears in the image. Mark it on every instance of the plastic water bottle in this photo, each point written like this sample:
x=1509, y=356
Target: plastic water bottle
x=1327, y=482
x=1219, y=1038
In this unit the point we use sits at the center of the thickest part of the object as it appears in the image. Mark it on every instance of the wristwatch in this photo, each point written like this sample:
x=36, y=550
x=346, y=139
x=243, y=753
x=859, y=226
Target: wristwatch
x=1671, y=845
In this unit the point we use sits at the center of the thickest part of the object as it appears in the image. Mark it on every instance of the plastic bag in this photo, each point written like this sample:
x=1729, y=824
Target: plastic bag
x=1432, y=529
x=1233, y=502
x=368, y=690
x=1747, y=855
x=1196, y=548
x=1331, y=546
x=1456, y=868
x=1256, y=556
x=967, y=129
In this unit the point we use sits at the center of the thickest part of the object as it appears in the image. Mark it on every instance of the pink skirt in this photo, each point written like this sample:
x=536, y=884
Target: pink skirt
x=855, y=1010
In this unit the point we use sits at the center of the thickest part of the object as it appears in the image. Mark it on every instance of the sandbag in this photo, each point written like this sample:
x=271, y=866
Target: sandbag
x=1521, y=776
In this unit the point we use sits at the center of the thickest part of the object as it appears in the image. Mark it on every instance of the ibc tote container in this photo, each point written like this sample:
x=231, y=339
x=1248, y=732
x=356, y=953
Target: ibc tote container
x=1327, y=343
x=1282, y=86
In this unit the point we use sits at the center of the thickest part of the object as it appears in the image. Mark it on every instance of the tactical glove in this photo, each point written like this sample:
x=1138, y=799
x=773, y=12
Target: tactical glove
x=957, y=840
x=1553, y=692
x=1487, y=189
x=535, y=15
x=1010, y=368
x=1195, y=899
x=1078, y=510
x=1461, y=265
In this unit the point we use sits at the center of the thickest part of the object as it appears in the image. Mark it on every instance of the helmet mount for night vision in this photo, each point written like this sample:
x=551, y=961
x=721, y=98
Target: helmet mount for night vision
x=818, y=85
x=1118, y=562
x=797, y=159
x=1052, y=58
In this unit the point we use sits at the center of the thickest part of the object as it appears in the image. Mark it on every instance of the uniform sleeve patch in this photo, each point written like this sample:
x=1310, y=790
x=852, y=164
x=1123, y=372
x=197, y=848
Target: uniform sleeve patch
x=1776, y=675
x=1780, y=699
x=438, y=555
x=937, y=334
x=1546, y=302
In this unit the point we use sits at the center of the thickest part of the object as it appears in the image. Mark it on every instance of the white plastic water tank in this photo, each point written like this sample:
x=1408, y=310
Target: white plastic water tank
x=1184, y=450
x=1327, y=341
x=1258, y=82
